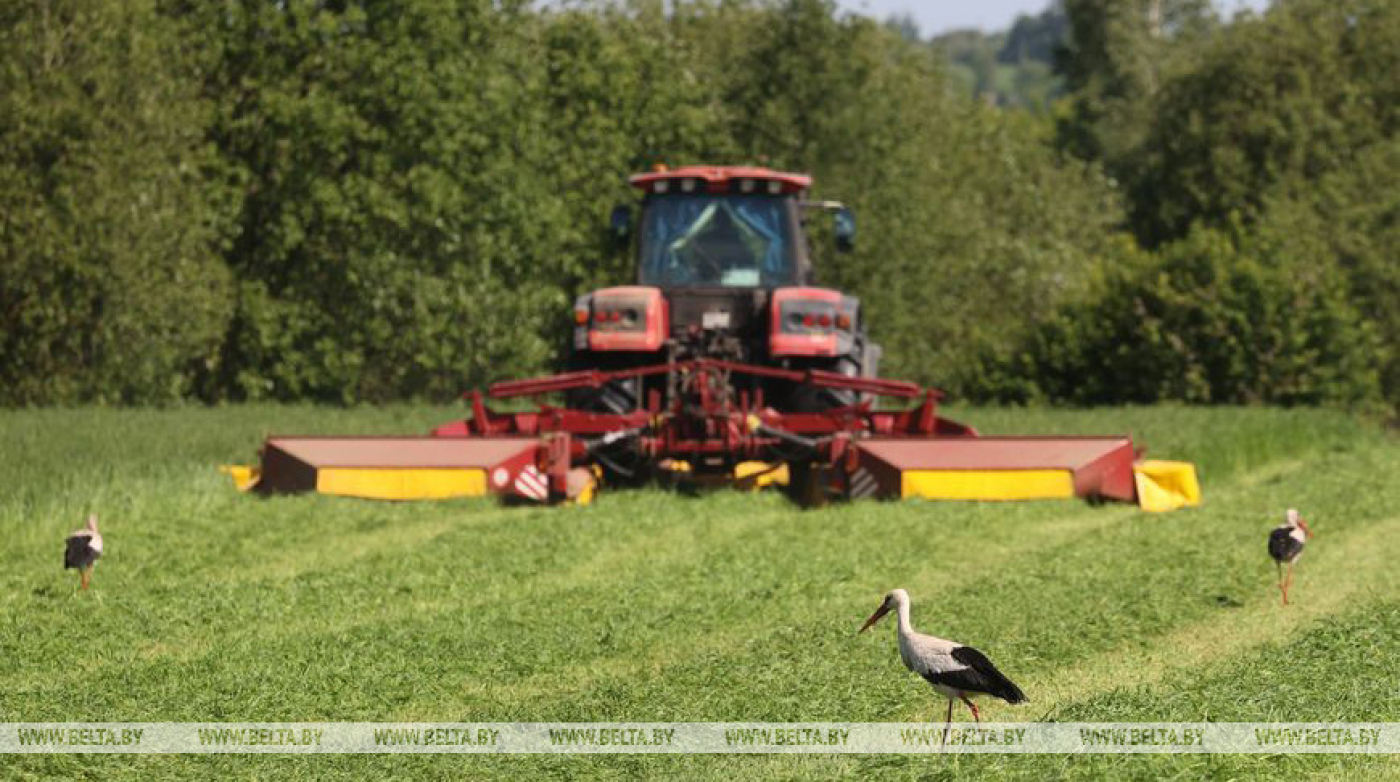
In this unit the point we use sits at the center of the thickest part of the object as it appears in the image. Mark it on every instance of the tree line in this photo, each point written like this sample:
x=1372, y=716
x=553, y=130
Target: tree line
x=365, y=200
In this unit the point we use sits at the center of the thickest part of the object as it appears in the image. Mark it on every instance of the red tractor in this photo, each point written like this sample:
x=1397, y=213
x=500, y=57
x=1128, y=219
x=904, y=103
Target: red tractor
x=724, y=271
x=725, y=361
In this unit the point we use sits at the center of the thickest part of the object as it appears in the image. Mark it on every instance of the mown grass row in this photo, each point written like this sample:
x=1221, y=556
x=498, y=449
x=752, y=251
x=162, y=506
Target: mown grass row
x=650, y=606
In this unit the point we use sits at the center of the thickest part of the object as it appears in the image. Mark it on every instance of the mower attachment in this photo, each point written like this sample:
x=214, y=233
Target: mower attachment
x=705, y=434
x=994, y=468
x=412, y=468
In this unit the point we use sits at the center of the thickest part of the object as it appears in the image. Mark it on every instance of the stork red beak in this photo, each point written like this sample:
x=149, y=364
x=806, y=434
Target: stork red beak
x=1306, y=530
x=875, y=617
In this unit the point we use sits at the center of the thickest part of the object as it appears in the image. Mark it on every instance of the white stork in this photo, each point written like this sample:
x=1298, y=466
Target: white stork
x=955, y=671
x=1286, y=545
x=83, y=548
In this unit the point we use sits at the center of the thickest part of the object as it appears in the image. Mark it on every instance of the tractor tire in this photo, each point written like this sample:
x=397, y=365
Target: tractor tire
x=616, y=397
x=816, y=399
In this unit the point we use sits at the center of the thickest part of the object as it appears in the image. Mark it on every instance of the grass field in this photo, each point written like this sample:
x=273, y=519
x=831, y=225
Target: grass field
x=648, y=606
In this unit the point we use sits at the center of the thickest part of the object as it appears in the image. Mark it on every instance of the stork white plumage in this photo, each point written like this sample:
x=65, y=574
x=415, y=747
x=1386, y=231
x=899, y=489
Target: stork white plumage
x=83, y=547
x=956, y=671
x=1286, y=546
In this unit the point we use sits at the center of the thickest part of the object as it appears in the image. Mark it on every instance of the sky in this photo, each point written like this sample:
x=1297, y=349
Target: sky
x=938, y=16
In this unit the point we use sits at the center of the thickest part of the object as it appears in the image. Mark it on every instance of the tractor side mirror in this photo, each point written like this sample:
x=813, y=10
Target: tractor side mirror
x=845, y=221
x=620, y=224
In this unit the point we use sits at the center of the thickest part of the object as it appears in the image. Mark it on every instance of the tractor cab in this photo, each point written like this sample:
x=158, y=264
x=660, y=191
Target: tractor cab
x=728, y=227
x=732, y=238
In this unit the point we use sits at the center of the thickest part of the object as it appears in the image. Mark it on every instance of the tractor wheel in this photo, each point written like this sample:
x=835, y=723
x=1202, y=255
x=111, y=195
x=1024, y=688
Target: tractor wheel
x=815, y=399
x=617, y=397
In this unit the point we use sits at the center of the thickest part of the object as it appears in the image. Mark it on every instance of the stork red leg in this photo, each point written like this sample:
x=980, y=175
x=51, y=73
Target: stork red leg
x=1287, y=582
x=970, y=705
x=83, y=578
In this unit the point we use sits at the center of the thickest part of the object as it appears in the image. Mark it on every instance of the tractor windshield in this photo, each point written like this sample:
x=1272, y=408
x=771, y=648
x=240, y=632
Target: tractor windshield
x=742, y=241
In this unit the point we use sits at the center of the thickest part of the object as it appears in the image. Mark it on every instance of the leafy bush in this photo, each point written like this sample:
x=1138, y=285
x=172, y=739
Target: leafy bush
x=111, y=286
x=1214, y=318
x=1267, y=108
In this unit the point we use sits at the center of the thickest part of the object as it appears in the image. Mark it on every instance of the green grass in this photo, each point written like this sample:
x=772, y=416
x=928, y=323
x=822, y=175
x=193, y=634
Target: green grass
x=649, y=606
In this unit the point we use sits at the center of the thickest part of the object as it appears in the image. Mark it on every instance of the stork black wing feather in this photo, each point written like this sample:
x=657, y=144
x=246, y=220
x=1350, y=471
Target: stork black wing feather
x=79, y=552
x=979, y=676
x=1283, y=547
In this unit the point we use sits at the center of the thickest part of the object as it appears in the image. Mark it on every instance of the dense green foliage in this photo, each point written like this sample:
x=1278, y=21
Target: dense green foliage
x=112, y=284
x=1014, y=67
x=209, y=605
x=1279, y=130
x=1209, y=319
x=394, y=233
x=1115, y=60
x=1267, y=108
x=376, y=200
